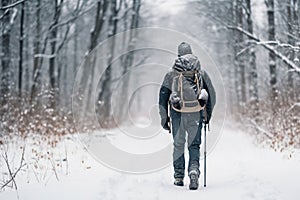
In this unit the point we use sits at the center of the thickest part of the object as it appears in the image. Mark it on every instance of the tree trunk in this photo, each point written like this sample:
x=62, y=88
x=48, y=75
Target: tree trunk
x=291, y=53
x=239, y=60
x=53, y=73
x=75, y=63
x=231, y=38
x=105, y=92
x=6, y=54
x=129, y=58
x=65, y=92
x=296, y=11
x=296, y=80
x=21, y=41
x=53, y=42
x=27, y=50
x=254, y=100
x=272, y=56
x=235, y=51
x=99, y=21
x=36, y=51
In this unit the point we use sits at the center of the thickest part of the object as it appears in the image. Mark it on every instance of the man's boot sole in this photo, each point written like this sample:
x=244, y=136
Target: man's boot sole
x=193, y=188
x=179, y=184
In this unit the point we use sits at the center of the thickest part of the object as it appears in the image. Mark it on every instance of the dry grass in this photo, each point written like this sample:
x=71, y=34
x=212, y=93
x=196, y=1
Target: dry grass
x=277, y=126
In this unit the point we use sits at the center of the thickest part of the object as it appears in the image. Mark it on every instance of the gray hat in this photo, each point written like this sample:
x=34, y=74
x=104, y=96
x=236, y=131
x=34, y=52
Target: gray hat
x=184, y=48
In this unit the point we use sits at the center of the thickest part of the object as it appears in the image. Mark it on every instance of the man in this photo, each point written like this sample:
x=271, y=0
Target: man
x=186, y=71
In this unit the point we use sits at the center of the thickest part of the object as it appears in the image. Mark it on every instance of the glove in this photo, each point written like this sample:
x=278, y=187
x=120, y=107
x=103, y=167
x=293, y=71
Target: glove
x=165, y=123
x=175, y=100
x=207, y=119
x=202, y=102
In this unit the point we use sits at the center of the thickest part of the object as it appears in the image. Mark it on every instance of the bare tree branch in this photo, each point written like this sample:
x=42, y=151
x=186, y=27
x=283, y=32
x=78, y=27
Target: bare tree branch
x=277, y=43
x=64, y=40
x=260, y=129
x=13, y=175
x=268, y=47
x=12, y=5
x=244, y=50
x=5, y=12
x=76, y=15
x=294, y=106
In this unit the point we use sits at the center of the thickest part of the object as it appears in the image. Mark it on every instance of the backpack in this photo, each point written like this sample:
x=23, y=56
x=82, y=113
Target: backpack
x=186, y=87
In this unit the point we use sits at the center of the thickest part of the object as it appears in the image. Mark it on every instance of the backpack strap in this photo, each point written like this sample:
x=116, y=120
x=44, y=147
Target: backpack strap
x=200, y=77
x=180, y=84
x=197, y=83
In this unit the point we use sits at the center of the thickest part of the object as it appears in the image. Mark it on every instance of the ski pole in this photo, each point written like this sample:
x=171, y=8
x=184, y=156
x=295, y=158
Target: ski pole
x=205, y=155
x=169, y=115
x=205, y=123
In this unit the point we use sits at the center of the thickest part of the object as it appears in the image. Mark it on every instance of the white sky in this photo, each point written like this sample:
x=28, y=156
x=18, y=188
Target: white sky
x=168, y=6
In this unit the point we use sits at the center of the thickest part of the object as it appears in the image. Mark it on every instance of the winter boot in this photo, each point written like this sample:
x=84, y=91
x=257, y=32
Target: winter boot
x=178, y=182
x=193, y=180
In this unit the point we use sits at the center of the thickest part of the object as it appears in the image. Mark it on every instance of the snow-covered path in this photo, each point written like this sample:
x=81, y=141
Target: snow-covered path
x=237, y=169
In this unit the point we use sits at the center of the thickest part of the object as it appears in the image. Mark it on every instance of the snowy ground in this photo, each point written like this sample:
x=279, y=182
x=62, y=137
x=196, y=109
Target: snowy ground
x=237, y=169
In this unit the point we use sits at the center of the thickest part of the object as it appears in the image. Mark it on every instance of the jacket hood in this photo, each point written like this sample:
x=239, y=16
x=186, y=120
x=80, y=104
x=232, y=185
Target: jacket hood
x=188, y=62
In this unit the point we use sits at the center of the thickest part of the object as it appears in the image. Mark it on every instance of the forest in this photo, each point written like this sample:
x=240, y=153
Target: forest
x=53, y=52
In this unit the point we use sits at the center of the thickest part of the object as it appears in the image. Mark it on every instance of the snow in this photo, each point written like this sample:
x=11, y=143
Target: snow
x=236, y=169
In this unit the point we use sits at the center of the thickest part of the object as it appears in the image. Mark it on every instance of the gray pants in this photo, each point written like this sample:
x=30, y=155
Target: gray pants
x=182, y=123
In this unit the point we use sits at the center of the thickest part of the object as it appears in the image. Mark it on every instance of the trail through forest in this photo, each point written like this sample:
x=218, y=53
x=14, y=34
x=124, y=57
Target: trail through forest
x=237, y=169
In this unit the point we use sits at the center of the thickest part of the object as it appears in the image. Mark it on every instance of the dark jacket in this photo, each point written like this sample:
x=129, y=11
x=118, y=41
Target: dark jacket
x=165, y=92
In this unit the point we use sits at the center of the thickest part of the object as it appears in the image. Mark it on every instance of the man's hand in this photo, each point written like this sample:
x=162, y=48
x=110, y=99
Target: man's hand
x=165, y=124
x=206, y=119
x=202, y=102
